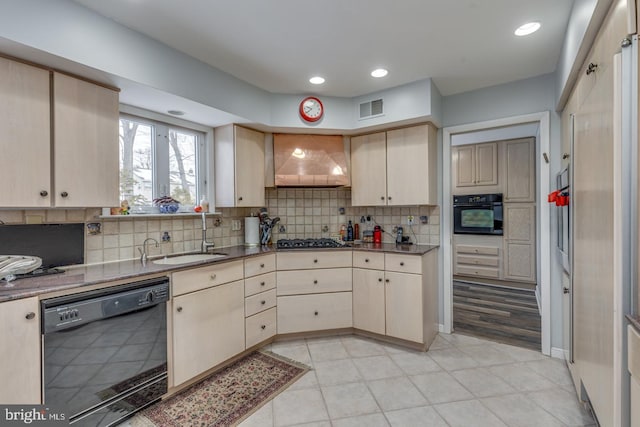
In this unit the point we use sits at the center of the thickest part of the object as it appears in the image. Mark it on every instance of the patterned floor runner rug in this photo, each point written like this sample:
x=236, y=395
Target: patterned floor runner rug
x=226, y=397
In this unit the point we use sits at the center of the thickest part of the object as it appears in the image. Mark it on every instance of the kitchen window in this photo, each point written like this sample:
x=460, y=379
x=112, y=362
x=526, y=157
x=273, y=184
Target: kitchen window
x=160, y=159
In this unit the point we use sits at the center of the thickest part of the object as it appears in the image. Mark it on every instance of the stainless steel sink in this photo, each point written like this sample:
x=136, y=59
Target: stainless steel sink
x=185, y=259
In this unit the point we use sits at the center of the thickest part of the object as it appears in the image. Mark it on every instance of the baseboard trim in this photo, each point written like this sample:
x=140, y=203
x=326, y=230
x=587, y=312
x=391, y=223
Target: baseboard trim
x=441, y=327
x=557, y=353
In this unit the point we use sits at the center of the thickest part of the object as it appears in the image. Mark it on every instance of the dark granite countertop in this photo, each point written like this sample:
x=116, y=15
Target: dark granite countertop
x=87, y=275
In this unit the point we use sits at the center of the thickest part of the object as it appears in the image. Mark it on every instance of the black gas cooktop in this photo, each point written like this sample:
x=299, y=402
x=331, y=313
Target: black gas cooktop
x=309, y=243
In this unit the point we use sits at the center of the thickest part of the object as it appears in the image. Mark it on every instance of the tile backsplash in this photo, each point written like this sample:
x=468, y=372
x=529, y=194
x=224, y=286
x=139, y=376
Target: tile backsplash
x=304, y=213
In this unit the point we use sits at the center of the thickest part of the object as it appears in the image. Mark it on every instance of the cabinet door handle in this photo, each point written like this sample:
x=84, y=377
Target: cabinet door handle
x=261, y=265
x=263, y=327
x=240, y=198
x=44, y=193
x=366, y=260
x=401, y=264
x=389, y=197
x=315, y=282
x=30, y=315
x=263, y=302
x=179, y=309
x=380, y=279
x=262, y=283
x=64, y=194
x=315, y=261
x=386, y=280
x=213, y=277
x=381, y=197
x=315, y=313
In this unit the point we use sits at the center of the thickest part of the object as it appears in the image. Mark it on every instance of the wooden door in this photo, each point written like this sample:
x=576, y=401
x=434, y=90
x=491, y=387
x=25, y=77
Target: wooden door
x=403, y=298
x=464, y=165
x=411, y=166
x=369, y=170
x=249, y=167
x=486, y=164
x=25, y=140
x=519, y=170
x=368, y=300
x=208, y=328
x=20, y=351
x=86, y=165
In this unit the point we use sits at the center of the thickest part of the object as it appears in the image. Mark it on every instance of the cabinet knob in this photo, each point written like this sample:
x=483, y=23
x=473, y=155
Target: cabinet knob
x=240, y=199
x=389, y=197
x=401, y=264
x=64, y=194
x=315, y=261
x=380, y=279
x=262, y=283
x=386, y=280
x=213, y=277
x=366, y=260
x=44, y=193
x=263, y=327
x=263, y=302
x=382, y=198
x=30, y=315
x=179, y=309
x=315, y=282
x=315, y=313
x=261, y=265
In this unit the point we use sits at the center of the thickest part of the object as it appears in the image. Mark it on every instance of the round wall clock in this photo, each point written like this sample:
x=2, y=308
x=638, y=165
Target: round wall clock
x=311, y=109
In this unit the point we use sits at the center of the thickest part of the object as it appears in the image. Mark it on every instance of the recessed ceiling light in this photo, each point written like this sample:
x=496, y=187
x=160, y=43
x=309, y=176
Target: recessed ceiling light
x=176, y=112
x=528, y=28
x=379, y=72
x=316, y=80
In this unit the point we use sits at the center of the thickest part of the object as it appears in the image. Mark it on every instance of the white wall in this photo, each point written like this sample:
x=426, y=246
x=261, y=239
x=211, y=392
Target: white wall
x=515, y=99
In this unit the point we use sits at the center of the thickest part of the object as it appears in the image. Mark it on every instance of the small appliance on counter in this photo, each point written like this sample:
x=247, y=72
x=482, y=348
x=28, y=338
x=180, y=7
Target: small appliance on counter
x=252, y=231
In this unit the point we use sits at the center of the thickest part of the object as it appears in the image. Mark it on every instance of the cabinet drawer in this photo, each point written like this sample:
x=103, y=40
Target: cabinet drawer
x=477, y=271
x=314, y=281
x=259, y=302
x=314, y=312
x=371, y=260
x=313, y=259
x=195, y=279
x=403, y=263
x=260, y=327
x=475, y=260
x=477, y=250
x=261, y=283
x=259, y=265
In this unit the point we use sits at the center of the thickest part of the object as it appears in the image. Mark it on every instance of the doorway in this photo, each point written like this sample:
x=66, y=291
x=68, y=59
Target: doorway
x=541, y=120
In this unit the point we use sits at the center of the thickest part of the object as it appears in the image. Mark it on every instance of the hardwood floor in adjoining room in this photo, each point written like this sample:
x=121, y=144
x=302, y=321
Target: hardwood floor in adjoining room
x=501, y=314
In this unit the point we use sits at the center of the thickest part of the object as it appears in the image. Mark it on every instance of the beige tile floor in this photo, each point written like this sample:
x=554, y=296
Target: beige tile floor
x=461, y=381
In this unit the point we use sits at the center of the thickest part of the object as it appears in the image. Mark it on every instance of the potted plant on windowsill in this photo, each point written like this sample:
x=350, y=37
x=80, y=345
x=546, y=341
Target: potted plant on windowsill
x=167, y=204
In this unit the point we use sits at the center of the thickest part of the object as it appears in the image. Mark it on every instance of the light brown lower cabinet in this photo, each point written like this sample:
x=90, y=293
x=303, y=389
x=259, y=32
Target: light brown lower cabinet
x=20, y=352
x=368, y=300
x=208, y=328
x=314, y=312
x=403, y=299
x=520, y=242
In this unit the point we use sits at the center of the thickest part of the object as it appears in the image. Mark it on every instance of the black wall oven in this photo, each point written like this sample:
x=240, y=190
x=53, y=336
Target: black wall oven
x=477, y=214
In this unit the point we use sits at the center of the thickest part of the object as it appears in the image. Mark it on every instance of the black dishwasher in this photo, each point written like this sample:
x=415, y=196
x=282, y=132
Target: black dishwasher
x=105, y=351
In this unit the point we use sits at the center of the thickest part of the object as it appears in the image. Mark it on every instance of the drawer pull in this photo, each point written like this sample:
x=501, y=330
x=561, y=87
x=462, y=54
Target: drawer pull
x=366, y=260
x=382, y=198
x=475, y=250
x=315, y=313
x=401, y=264
x=387, y=280
x=380, y=279
x=262, y=283
x=64, y=194
x=179, y=309
x=263, y=327
x=261, y=265
x=315, y=282
x=30, y=315
x=213, y=277
x=44, y=193
x=315, y=261
x=263, y=302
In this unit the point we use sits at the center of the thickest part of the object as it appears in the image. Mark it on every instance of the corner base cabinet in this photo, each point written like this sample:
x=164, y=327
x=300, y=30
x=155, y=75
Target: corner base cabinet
x=20, y=352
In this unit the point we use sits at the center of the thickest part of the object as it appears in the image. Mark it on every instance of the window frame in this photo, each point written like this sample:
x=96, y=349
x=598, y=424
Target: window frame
x=161, y=125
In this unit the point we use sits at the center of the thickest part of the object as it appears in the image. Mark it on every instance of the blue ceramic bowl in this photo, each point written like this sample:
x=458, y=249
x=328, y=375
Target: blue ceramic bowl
x=169, y=208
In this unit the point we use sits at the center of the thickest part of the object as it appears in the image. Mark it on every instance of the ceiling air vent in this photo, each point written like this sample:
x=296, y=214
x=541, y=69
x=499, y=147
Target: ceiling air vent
x=371, y=109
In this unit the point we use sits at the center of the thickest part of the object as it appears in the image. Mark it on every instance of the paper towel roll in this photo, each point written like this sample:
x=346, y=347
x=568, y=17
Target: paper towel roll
x=251, y=231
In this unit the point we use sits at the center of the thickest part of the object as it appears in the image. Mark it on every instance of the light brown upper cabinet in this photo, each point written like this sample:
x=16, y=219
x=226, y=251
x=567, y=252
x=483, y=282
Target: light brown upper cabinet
x=519, y=170
x=239, y=167
x=25, y=137
x=84, y=156
x=85, y=148
x=474, y=165
x=394, y=168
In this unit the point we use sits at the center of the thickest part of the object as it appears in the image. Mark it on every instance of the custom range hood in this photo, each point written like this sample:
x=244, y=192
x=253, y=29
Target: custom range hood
x=310, y=160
